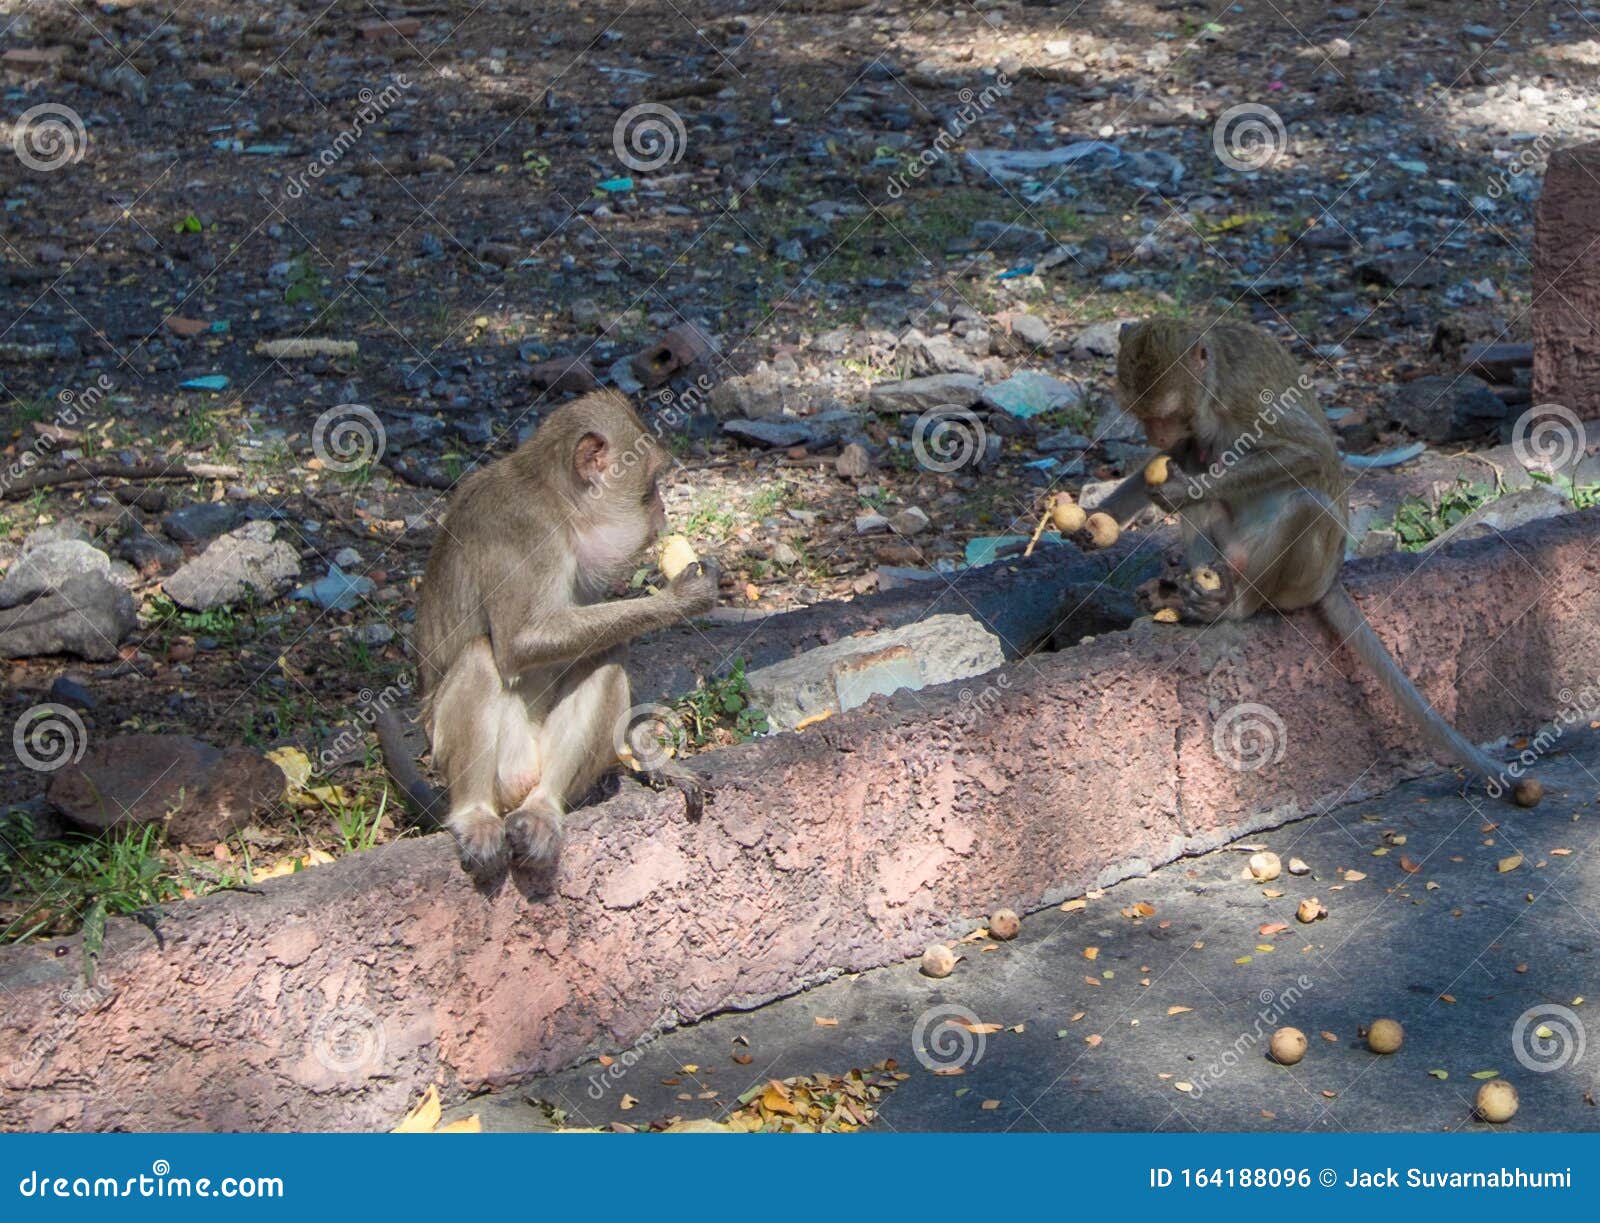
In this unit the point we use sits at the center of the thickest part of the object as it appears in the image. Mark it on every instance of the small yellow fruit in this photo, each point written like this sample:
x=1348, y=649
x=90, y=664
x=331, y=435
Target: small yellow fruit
x=938, y=960
x=676, y=555
x=1103, y=530
x=1527, y=794
x=1155, y=471
x=1497, y=1101
x=1310, y=909
x=1264, y=866
x=1066, y=514
x=1166, y=615
x=1207, y=578
x=1287, y=1046
x=1385, y=1036
x=1004, y=924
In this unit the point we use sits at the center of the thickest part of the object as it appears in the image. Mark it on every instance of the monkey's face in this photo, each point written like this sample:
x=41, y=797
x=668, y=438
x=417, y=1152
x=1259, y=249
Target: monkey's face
x=1157, y=380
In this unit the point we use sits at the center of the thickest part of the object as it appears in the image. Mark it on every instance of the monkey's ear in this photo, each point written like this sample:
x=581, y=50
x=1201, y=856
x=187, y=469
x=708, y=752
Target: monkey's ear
x=591, y=457
x=1198, y=356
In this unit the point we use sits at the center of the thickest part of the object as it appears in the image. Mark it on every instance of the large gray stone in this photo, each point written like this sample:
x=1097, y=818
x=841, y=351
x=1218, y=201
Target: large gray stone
x=923, y=394
x=839, y=676
x=49, y=567
x=88, y=616
x=240, y=563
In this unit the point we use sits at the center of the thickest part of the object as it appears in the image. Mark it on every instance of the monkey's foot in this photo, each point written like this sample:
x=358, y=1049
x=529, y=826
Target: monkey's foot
x=481, y=838
x=1199, y=596
x=535, y=836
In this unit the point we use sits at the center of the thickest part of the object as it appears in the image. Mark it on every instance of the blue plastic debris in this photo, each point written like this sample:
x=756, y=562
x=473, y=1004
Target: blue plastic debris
x=339, y=591
x=1389, y=458
x=985, y=549
x=617, y=184
x=211, y=382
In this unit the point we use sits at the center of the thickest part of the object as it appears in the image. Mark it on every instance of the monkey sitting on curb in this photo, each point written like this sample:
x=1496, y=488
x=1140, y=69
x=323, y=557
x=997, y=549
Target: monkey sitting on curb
x=1254, y=474
x=520, y=648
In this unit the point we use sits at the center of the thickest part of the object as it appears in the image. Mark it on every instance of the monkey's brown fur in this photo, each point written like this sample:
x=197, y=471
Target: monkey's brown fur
x=520, y=650
x=1261, y=494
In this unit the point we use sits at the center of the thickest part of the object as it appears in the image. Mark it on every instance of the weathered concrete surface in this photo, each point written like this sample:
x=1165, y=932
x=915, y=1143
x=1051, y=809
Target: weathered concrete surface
x=328, y=1000
x=1566, y=282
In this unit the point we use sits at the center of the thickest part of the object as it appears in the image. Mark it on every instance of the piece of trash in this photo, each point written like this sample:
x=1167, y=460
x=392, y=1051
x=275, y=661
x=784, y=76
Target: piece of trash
x=211, y=382
x=339, y=591
x=1387, y=458
x=616, y=184
x=1005, y=164
x=987, y=549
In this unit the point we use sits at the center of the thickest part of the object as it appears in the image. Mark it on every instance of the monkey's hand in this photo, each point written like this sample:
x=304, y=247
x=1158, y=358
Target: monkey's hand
x=695, y=589
x=1179, y=487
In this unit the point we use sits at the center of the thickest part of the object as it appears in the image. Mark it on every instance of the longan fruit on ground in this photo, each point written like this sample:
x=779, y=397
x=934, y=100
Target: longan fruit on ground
x=938, y=960
x=1264, y=866
x=1385, y=1036
x=1497, y=1101
x=1287, y=1046
x=1103, y=530
x=1004, y=924
x=1527, y=794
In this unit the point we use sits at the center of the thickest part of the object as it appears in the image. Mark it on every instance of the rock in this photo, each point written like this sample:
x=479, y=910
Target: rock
x=201, y=794
x=1005, y=236
x=65, y=531
x=69, y=691
x=847, y=673
x=50, y=567
x=774, y=433
x=910, y=521
x=921, y=394
x=792, y=251
x=88, y=616
x=1096, y=340
x=1064, y=439
x=243, y=562
x=1028, y=393
x=1401, y=268
x=934, y=355
x=679, y=348
x=564, y=376
x=373, y=634
x=1450, y=409
x=871, y=524
x=146, y=552
x=202, y=521
x=853, y=463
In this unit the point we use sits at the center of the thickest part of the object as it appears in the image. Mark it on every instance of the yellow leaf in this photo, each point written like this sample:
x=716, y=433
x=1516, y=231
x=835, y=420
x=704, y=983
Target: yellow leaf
x=1486, y=1074
x=990, y=1105
x=296, y=765
x=1244, y=959
x=980, y=1029
x=1072, y=906
x=462, y=1125
x=1354, y=876
x=424, y=1117
x=1091, y=953
x=1511, y=863
x=1179, y=1010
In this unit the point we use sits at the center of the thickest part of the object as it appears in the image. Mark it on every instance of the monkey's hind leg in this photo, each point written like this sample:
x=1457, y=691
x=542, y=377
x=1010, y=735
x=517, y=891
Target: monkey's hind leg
x=464, y=730
x=577, y=745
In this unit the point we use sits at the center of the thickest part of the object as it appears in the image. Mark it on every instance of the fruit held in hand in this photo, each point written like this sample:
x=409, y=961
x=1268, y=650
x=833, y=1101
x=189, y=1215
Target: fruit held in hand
x=1497, y=1101
x=1066, y=515
x=1385, y=1036
x=1207, y=578
x=1103, y=530
x=676, y=555
x=1004, y=924
x=938, y=960
x=1155, y=471
x=1287, y=1046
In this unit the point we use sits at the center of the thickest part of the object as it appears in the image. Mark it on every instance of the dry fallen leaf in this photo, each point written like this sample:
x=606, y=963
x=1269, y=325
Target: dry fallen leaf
x=626, y=1103
x=1510, y=864
x=1072, y=906
x=990, y=1105
x=424, y=1116
x=1353, y=876
x=825, y=1023
x=1271, y=928
x=1179, y=1010
x=1091, y=953
x=1093, y=1041
x=1184, y=1087
x=1410, y=867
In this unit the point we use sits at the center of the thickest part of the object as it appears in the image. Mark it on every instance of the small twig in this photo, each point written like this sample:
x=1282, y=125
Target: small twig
x=81, y=473
x=1038, y=531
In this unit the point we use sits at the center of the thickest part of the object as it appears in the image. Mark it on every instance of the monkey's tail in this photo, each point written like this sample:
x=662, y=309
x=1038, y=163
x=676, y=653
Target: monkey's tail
x=426, y=802
x=1346, y=619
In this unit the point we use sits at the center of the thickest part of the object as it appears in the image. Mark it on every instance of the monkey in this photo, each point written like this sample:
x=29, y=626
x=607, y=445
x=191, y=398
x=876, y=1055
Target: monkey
x=521, y=652
x=1254, y=476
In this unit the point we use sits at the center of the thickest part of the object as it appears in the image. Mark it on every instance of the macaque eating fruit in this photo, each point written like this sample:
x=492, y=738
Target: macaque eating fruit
x=520, y=647
x=1254, y=474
